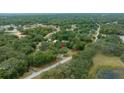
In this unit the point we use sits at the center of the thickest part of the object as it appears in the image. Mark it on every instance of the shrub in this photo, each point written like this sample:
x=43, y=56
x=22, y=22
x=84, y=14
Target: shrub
x=12, y=68
x=40, y=58
x=122, y=57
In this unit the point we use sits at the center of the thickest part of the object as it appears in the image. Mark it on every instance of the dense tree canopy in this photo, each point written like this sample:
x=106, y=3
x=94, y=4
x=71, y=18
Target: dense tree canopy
x=65, y=33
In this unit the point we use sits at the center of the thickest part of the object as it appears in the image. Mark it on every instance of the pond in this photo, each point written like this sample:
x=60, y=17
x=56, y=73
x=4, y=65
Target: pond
x=110, y=73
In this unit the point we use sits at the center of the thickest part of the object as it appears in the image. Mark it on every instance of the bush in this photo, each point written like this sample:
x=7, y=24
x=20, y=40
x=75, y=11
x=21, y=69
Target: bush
x=79, y=45
x=122, y=57
x=7, y=52
x=40, y=58
x=111, y=45
x=63, y=50
x=12, y=68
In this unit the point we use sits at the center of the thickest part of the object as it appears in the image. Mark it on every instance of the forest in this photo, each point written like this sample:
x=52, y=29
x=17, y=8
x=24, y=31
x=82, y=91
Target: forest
x=30, y=43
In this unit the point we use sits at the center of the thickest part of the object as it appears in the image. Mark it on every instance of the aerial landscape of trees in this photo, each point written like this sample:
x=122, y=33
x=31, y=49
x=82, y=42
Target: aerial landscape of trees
x=32, y=41
x=76, y=69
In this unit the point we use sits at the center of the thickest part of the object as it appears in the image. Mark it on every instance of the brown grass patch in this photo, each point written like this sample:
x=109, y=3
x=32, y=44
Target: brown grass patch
x=101, y=60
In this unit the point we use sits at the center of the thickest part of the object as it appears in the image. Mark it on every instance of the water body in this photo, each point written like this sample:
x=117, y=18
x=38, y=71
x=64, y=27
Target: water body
x=110, y=73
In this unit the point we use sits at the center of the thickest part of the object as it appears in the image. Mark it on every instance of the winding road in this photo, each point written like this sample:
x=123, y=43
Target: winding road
x=66, y=59
x=35, y=74
x=50, y=34
x=97, y=32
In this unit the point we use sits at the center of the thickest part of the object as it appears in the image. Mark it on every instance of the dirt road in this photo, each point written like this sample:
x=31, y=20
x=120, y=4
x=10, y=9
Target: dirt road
x=34, y=74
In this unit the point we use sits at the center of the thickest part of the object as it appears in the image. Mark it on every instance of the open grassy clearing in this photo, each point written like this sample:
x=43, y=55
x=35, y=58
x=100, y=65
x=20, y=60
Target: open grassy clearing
x=102, y=61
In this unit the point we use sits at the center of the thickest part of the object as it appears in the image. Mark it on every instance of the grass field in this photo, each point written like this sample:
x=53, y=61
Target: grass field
x=103, y=61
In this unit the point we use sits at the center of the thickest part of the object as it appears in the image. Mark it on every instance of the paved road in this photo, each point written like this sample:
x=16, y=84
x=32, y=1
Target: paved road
x=34, y=74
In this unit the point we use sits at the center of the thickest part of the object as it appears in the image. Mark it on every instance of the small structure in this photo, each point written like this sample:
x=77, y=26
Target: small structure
x=62, y=45
x=55, y=41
